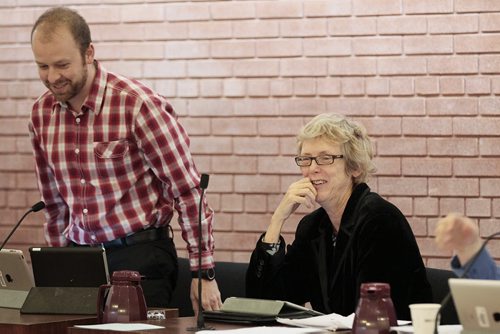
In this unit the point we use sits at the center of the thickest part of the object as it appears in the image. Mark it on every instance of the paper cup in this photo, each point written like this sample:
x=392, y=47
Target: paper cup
x=423, y=317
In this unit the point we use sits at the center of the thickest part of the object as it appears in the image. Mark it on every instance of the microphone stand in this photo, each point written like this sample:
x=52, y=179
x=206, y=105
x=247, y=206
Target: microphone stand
x=37, y=207
x=468, y=267
x=200, y=321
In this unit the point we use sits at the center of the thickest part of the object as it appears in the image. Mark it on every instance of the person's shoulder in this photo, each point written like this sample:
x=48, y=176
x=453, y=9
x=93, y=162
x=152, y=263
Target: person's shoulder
x=121, y=84
x=310, y=225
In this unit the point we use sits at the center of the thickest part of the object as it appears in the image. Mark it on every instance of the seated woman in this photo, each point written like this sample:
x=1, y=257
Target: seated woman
x=461, y=235
x=354, y=237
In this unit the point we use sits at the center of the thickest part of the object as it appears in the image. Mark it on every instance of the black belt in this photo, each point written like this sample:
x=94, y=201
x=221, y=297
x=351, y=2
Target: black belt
x=140, y=237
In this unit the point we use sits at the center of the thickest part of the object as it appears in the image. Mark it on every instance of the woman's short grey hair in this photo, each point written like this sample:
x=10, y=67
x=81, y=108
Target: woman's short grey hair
x=355, y=144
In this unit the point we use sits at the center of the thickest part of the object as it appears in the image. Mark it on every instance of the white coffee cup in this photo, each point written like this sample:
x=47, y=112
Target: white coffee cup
x=423, y=317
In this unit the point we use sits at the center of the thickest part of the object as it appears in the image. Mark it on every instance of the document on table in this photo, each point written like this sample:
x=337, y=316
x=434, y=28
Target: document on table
x=121, y=326
x=330, y=322
x=442, y=329
x=263, y=330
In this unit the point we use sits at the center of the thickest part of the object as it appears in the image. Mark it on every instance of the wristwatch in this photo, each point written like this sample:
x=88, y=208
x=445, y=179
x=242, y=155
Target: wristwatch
x=208, y=274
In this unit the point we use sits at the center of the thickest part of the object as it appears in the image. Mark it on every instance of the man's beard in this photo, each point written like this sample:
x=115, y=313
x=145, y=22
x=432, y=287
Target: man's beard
x=74, y=87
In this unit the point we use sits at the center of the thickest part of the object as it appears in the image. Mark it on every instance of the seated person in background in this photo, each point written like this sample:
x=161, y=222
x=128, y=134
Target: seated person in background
x=354, y=237
x=460, y=234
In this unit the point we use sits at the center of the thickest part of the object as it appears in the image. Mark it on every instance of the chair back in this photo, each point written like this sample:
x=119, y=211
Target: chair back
x=438, y=279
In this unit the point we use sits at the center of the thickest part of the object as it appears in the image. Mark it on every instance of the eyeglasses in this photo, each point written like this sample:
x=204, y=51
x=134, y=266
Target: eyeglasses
x=326, y=159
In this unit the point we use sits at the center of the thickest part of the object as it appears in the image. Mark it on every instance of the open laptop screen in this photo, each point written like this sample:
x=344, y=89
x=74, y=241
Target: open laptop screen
x=69, y=266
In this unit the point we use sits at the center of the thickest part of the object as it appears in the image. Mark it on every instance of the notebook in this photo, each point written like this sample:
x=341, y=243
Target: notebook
x=67, y=280
x=478, y=304
x=16, y=278
x=257, y=311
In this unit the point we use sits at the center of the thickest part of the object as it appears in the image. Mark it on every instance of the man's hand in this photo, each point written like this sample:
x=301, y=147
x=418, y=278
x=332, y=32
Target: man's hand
x=211, y=300
x=460, y=234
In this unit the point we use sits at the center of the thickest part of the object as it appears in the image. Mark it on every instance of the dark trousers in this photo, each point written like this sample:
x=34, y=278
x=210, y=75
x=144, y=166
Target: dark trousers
x=156, y=261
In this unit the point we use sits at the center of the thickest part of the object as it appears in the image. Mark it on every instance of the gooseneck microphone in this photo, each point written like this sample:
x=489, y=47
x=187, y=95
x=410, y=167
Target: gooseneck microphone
x=200, y=321
x=468, y=267
x=37, y=207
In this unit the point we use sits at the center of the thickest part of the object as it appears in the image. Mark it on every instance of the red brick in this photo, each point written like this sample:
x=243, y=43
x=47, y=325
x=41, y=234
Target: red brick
x=316, y=47
x=209, y=29
x=453, y=187
x=478, y=86
x=351, y=26
x=234, y=126
x=388, y=166
x=377, y=87
x=302, y=106
x=489, y=146
x=452, y=146
x=281, y=87
x=364, y=46
x=477, y=43
x=252, y=146
x=210, y=107
x=399, y=66
x=427, y=167
x=327, y=8
x=448, y=24
x=451, y=106
x=407, y=25
x=255, y=29
x=159, y=31
x=233, y=49
x=404, y=147
x=382, y=126
x=427, y=86
x=404, y=204
x=211, y=88
x=187, y=88
x=478, y=207
x=288, y=145
x=133, y=13
x=489, y=64
x=235, y=10
x=276, y=165
x=427, y=126
x=401, y=86
x=255, y=203
x=448, y=205
x=453, y=65
x=476, y=166
x=486, y=126
x=352, y=66
x=428, y=6
x=304, y=87
x=303, y=67
x=278, y=48
x=451, y=86
x=489, y=22
x=408, y=186
x=235, y=164
x=257, y=68
x=164, y=69
x=187, y=12
x=400, y=106
x=211, y=145
x=476, y=6
x=303, y=28
x=427, y=206
x=352, y=86
x=418, y=226
x=231, y=203
x=329, y=86
x=489, y=186
x=256, y=183
x=496, y=208
x=256, y=107
x=234, y=87
x=187, y=50
x=279, y=9
x=381, y=7
x=258, y=88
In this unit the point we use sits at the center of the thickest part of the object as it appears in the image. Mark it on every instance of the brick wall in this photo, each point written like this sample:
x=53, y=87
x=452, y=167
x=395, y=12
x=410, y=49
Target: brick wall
x=245, y=75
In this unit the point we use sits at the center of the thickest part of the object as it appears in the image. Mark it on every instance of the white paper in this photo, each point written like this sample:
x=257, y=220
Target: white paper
x=442, y=329
x=262, y=330
x=121, y=326
x=331, y=322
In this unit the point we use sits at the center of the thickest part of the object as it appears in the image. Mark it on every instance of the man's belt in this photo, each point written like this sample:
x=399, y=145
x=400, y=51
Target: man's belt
x=140, y=237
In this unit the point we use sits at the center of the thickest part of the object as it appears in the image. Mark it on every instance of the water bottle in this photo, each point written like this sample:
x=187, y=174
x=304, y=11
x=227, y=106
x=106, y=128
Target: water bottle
x=375, y=312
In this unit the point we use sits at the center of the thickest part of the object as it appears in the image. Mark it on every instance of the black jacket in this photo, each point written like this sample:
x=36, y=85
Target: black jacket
x=374, y=244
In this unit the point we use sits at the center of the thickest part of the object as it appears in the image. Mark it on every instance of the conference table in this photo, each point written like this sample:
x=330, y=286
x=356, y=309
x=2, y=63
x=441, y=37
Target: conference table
x=14, y=322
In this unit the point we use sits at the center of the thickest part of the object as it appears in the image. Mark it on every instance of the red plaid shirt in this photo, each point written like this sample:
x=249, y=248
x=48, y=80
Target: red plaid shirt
x=120, y=164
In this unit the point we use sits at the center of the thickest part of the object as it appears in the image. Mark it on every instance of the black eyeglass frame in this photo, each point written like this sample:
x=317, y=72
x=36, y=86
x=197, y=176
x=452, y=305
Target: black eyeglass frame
x=310, y=159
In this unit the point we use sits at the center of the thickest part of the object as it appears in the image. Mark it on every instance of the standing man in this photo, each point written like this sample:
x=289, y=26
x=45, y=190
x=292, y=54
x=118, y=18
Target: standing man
x=113, y=163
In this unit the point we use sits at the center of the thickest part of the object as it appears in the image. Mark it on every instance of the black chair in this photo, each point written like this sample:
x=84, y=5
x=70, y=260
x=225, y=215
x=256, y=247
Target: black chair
x=230, y=277
x=438, y=278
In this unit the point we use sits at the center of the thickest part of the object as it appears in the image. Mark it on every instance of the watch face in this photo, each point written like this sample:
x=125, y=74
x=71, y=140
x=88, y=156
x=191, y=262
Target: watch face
x=210, y=274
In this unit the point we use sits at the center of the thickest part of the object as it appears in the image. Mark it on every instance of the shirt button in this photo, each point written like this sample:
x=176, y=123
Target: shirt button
x=85, y=211
x=77, y=121
x=82, y=181
x=77, y=150
x=93, y=237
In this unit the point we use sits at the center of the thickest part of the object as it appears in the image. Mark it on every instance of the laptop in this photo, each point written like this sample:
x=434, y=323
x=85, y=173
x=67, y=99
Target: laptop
x=67, y=280
x=478, y=304
x=16, y=278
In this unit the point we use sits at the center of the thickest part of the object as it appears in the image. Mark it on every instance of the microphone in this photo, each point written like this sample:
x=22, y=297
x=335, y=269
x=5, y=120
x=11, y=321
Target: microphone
x=35, y=208
x=468, y=267
x=200, y=321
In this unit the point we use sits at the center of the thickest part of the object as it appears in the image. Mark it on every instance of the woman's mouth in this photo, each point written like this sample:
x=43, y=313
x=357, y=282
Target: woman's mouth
x=318, y=182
